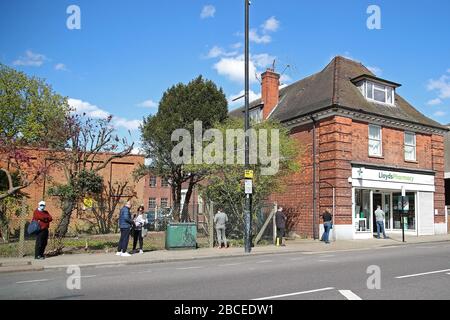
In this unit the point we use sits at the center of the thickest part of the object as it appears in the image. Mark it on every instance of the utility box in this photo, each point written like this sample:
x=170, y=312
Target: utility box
x=181, y=236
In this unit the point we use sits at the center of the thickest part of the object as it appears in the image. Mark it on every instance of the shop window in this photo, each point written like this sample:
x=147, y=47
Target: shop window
x=362, y=210
x=375, y=145
x=409, y=216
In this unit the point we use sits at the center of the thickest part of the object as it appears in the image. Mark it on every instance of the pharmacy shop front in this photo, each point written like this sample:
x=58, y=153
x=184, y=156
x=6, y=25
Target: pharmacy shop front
x=373, y=186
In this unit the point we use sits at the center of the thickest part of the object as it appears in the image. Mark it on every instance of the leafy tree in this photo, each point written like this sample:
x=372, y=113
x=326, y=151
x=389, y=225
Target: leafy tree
x=179, y=108
x=225, y=183
x=31, y=116
x=91, y=146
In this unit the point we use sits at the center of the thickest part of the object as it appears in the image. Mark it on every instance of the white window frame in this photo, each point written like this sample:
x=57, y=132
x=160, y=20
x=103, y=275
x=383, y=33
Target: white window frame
x=381, y=140
x=409, y=145
x=366, y=87
x=256, y=115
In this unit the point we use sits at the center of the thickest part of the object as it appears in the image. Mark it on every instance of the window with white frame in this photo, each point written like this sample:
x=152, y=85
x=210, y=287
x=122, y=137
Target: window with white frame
x=410, y=146
x=256, y=115
x=375, y=144
x=151, y=203
x=377, y=92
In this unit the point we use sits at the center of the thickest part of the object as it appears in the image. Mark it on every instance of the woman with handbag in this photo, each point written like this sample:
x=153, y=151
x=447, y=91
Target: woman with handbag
x=43, y=218
x=139, y=223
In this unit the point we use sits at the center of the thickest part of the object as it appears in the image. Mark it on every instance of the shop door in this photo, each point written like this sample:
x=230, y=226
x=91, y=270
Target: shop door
x=377, y=201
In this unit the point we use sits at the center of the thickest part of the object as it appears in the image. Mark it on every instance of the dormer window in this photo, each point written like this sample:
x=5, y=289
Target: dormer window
x=256, y=115
x=377, y=92
x=376, y=89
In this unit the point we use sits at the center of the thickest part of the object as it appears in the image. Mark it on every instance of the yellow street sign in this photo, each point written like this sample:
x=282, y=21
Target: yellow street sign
x=248, y=174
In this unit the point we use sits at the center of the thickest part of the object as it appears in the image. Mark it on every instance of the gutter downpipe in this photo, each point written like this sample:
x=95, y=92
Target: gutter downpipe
x=315, y=233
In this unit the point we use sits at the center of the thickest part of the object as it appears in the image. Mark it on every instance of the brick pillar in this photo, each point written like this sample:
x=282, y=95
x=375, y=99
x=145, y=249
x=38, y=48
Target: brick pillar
x=437, y=152
x=335, y=145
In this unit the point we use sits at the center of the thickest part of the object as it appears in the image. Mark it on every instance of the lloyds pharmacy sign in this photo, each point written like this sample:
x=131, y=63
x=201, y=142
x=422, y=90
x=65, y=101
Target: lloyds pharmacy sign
x=395, y=177
x=363, y=174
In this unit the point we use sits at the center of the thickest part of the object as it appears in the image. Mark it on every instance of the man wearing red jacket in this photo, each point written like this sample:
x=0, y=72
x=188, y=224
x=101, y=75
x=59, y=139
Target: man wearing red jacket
x=44, y=218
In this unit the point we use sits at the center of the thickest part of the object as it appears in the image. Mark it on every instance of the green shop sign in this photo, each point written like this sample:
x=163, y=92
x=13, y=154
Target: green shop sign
x=395, y=177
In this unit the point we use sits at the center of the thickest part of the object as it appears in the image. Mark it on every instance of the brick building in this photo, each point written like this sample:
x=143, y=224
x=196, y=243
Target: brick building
x=117, y=171
x=447, y=167
x=363, y=139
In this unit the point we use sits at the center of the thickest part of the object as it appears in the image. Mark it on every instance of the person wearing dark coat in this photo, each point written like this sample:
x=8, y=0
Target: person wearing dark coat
x=280, y=221
x=125, y=224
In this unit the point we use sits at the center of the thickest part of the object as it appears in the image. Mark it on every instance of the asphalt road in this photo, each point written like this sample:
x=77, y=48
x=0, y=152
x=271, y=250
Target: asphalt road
x=418, y=272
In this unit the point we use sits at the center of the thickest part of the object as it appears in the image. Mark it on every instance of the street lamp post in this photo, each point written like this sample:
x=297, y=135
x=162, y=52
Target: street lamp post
x=248, y=196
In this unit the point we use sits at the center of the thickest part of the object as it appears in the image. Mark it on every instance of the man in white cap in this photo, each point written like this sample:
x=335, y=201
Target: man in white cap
x=43, y=218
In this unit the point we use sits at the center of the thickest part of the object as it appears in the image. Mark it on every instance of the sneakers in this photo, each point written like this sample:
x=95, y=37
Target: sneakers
x=125, y=254
x=118, y=253
x=141, y=252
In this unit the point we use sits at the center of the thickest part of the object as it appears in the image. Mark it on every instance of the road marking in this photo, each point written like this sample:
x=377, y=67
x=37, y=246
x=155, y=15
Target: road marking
x=296, y=259
x=229, y=264
x=422, y=274
x=189, y=268
x=265, y=261
x=148, y=271
x=349, y=295
x=448, y=273
x=325, y=261
x=32, y=281
x=92, y=276
x=327, y=256
x=294, y=294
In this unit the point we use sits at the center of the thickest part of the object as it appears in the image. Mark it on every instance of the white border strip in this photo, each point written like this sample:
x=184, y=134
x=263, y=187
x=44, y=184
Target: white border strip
x=422, y=274
x=294, y=294
x=349, y=295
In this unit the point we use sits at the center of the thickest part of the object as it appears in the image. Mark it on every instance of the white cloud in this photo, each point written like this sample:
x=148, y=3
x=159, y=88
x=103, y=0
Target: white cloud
x=92, y=111
x=252, y=95
x=239, y=45
x=234, y=68
x=31, y=59
x=440, y=113
x=271, y=25
x=148, y=104
x=208, y=12
x=216, y=52
x=60, y=67
x=434, y=102
x=256, y=38
x=375, y=70
x=442, y=86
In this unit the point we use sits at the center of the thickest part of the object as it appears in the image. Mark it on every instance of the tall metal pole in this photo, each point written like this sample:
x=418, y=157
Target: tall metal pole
x=248, y=197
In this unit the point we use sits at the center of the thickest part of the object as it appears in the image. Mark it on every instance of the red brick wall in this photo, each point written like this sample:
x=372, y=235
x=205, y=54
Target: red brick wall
x=341, y=140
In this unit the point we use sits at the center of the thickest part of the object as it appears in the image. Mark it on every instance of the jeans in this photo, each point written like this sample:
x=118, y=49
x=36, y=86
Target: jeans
x=124, y=238
x=326, y=234
x=380, y=225
x=137, y=234
x=221, y=236
x=41, y=243
x=280, y=234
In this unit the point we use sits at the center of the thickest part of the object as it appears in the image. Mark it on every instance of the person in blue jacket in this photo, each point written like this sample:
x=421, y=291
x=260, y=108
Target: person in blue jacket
x=125, y=224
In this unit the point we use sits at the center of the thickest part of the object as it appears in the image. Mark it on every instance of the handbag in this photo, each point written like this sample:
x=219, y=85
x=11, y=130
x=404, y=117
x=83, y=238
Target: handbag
x=144, y=232
x=33, y=227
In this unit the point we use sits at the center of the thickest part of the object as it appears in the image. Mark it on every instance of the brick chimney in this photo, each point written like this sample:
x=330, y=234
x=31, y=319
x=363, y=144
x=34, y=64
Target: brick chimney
x=270, y=91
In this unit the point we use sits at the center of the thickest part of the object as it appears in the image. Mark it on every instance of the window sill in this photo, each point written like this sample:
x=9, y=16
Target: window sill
x=412, y=161
x=376, y=157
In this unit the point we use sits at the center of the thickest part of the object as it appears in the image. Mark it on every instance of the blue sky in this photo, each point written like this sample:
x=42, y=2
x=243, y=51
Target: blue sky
x=127, y=53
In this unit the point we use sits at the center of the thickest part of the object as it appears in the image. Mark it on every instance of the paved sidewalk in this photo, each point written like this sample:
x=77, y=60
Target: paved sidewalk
x=303, y=246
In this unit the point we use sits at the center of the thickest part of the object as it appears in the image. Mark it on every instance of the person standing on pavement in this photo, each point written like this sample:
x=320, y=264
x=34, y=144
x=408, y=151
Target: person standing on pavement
x=139, y=223
x=327, y=225
x=43, y=218
x=280, y=221
x=380, y=217
x=125, y=224
x=220, y=220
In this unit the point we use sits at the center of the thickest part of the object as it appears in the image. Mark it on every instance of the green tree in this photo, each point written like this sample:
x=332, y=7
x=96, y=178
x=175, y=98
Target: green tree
x=31, y=115
x=225, y=183
x=179, y=108
x=91, y=146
